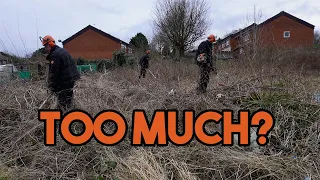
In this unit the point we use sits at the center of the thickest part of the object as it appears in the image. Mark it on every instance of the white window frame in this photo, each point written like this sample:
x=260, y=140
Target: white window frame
x=284, y=34
x=246, y=37
x=123, y=47
x=228, y=43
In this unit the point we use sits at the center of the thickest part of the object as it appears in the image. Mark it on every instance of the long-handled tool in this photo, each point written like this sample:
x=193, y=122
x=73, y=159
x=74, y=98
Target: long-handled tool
x=44, y=102
x=152, y=74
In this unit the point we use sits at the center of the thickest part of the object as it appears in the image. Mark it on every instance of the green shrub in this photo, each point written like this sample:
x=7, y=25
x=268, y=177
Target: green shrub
x=303, y=114
x=103, y=64
x=119, y=58
x=122, y=59
x=80, y=61
x=109, y=64
x=131, y=61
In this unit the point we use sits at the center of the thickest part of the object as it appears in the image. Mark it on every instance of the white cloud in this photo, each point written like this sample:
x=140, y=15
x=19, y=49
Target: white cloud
x=123, y=19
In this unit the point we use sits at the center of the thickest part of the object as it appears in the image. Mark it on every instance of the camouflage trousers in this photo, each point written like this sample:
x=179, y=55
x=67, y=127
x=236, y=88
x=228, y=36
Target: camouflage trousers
x=65, y=96
x=204, y=78
x=143, y=71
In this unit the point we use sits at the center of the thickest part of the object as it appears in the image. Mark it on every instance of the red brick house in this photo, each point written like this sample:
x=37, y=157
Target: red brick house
x=91, y=43
x=281, y=30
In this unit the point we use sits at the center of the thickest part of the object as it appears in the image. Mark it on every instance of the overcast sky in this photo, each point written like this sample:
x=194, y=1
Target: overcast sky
x=22, y=21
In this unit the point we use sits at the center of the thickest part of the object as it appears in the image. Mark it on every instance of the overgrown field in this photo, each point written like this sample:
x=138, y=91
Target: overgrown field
x=285, y=89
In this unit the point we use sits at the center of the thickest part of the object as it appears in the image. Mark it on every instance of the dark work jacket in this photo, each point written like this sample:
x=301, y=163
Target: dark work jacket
x=62, y=69
x=205, y=47
x=144, y=61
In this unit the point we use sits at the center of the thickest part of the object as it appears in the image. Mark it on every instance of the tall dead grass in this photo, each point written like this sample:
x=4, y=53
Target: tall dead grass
x=293, y=151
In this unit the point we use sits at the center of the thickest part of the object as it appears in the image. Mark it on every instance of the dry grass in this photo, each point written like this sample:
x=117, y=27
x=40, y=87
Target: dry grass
x=293, y=152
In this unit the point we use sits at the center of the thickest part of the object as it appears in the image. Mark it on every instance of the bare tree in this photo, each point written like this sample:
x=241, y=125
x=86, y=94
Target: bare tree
x=161, y=44
x=182, y=22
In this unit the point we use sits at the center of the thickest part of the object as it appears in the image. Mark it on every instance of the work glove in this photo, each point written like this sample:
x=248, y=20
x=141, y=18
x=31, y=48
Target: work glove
x=202, y=59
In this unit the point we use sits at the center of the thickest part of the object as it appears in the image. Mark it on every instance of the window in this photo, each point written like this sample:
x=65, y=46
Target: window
x=123, y=47
x=246, y=38
x=227, y=43
x=286, y=34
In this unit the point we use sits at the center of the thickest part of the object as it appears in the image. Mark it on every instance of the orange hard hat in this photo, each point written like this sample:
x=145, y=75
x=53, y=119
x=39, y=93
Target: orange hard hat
x=47, y=39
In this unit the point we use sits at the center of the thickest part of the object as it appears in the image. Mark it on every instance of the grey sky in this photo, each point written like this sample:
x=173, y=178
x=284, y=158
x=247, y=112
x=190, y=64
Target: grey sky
x=22, y=22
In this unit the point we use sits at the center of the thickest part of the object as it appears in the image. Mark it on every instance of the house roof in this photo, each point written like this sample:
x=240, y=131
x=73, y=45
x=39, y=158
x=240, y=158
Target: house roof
x=237, y=33
x=283, y=13
x=89, y=27
x=245, y=29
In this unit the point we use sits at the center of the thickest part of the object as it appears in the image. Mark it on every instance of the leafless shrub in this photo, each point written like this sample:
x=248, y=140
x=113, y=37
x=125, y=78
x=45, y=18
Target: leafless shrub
x=182, y=22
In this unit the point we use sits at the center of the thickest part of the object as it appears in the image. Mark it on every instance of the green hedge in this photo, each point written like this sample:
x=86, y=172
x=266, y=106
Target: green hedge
x=122, y=59
x=119, y=59
x=100, y=64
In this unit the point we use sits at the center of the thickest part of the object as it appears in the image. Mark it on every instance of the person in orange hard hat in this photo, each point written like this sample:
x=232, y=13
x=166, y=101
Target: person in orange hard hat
x=204, y=59
x=144, y=64
x=63, y=72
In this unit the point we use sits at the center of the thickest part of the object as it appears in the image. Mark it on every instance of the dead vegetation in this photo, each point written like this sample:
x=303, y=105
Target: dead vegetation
x=293, y=152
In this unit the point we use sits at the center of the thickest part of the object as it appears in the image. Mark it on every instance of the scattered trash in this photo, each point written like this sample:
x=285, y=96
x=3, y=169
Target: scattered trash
x=219, y=96
x=171, y=92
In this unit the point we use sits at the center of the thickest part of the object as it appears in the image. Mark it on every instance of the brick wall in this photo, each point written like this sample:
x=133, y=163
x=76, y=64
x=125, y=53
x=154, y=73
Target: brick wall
x=272, y=33
x=91, y=45
x=234, y=43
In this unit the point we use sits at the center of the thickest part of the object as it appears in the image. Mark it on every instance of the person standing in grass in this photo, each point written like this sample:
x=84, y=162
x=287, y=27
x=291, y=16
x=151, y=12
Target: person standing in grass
x=144, y=64
x=63, y=72
x=204, y=59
